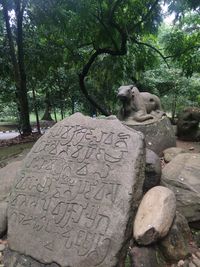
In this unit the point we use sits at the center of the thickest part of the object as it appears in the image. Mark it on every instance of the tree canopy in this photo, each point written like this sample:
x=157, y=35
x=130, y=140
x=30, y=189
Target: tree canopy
x=73, y=55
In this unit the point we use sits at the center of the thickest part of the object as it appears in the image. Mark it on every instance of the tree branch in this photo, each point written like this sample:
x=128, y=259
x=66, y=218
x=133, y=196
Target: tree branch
x=107, y=30
x=144, y=17
x=184, y=51
x=155, y=49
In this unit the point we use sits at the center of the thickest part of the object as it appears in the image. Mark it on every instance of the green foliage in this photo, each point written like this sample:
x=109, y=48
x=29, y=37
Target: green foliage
x=60, y=37
x=176, y=91
x=182, y=43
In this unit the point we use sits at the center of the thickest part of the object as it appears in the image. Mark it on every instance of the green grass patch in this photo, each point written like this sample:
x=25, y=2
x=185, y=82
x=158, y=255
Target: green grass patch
x=8, y=126
x=14, y=150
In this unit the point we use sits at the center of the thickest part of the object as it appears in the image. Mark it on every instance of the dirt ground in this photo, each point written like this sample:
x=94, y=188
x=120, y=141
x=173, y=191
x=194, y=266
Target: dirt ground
x=193, y=147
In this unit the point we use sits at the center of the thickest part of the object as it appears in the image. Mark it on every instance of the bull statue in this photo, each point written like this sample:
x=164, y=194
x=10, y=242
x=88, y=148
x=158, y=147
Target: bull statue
x=138, y=106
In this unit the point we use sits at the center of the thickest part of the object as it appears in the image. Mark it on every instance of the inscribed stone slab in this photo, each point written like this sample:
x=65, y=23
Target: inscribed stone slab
x=75, y=196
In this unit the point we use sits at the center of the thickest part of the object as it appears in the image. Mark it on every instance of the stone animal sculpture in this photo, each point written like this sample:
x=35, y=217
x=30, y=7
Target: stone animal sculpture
x=138, y=106
x=188, y=124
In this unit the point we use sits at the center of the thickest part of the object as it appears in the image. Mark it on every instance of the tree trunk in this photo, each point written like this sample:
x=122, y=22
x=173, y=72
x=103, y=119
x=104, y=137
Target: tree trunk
x=47, y=113
x=174, y=102
x=55, y=115
x=61, y=105
x=36, y=111
x=18, y=66
x=73, y=104
x=23, y=97
x=90, y=98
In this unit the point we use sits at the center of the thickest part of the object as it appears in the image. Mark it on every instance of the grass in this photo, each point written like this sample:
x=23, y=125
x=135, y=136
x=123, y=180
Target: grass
x=6, y=124
x=10, y=152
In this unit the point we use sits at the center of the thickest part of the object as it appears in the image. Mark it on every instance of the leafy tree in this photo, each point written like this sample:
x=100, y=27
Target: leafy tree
x=95, y=29
x=176, y=90
x=16, y=46
x=182, y=42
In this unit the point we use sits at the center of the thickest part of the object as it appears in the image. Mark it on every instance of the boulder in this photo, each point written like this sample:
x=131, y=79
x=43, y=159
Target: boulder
x=146, y=256
x=3, y=218
x=154, y=216
x=76, y=195
x=159, y=133
x=152, y=170
x=188, y=124
x=172, y=152
x=7, y=178
x=175, y=246
x=182, y=176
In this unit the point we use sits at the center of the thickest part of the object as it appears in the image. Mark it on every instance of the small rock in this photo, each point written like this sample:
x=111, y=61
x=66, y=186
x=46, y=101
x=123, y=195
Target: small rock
x=155, y=215
x=180, y=263
x=7, y=178
x=195, y=260
x=152, y=170
x=172, y=152
x=191, y=148
x=198, y=254
x=146, y=256
x=181, y=175
x=3, y=217
x=175, y=246
x=192, y=265
x=2, y=247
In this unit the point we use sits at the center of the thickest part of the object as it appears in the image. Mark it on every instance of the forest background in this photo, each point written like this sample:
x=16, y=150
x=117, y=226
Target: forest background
x=58, y=57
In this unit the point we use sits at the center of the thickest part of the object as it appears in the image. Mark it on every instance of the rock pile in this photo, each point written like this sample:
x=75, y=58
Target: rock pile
x=83, y=192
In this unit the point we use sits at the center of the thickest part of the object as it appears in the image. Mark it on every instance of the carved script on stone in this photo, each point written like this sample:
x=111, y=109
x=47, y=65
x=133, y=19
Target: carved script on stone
x=71, y=201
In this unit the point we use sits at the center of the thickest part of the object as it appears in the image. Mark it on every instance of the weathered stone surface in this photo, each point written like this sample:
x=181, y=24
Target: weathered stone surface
x=3, y=217
x=159, y=134
x=188, y=124
x=182, y=175
x=15, y=259
x=155, y=215
x=172, y=152
x=7, y=178
x=73, y=202
x=175, y=246
x=152, y=170
x=146, y=257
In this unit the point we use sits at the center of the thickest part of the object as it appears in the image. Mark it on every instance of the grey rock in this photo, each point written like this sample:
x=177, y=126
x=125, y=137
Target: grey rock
x=172, y=152
x=7, y=178
x=182, y=175
x=15, y=259
x=146, y=256
x=74, y=200
x=175, y=246
x=188, y=124
x=152, y=170
x=3, y=217
x=154, y=216
x=159, y=134
x=2, y=247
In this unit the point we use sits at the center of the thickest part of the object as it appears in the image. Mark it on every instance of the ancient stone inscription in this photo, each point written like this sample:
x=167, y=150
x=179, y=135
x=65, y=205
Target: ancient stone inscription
x=71, y=201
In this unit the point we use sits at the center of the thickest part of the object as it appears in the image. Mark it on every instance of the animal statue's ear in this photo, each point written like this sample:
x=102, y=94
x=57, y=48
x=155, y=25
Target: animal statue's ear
x=132, y=87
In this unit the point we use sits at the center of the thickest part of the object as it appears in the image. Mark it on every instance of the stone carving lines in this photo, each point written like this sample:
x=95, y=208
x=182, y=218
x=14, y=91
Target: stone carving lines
x=62, y=185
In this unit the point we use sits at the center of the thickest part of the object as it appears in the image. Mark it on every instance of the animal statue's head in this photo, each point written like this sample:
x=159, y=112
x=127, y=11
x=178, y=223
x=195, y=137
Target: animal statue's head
x=125, y=93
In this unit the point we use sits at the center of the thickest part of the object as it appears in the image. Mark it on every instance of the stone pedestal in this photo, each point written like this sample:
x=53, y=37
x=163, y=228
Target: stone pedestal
x=159, y=133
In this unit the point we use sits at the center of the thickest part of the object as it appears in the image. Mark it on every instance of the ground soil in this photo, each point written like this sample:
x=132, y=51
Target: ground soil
x=193, y=147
